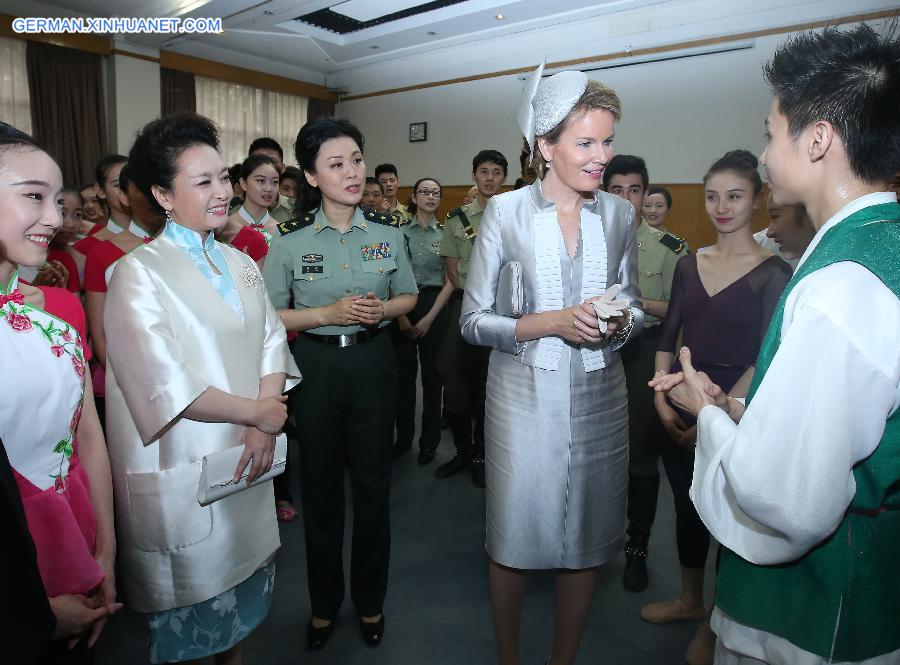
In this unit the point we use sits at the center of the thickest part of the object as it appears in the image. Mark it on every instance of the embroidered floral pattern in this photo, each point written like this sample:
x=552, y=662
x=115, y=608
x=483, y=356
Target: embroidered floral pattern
x=18, y=322
x=63, y=341
x=263, y=230
x=214, y=625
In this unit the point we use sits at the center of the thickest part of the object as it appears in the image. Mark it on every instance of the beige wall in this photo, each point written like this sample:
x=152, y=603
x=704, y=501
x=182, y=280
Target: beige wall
x=134, y=98
x=680, y=115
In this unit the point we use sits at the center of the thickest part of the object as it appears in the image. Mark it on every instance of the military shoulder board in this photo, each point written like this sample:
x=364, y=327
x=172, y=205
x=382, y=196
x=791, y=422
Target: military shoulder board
x=296, y=223
x=672, y=242
x=385, y=218
x=468, y=230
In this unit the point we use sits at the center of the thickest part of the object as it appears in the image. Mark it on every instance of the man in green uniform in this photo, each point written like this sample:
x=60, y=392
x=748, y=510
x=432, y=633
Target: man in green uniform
x=463, y=366
x=386, y=175
x=373, y=195
x=658, y=251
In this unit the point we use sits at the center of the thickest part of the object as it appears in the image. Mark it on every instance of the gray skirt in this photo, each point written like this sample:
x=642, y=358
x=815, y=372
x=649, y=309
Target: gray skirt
x=556, y=461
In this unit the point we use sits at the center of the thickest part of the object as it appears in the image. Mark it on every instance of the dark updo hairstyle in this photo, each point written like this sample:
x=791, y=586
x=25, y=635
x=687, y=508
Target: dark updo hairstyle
x=155, y=152
x=254, y=161
x=104, y=165
x=666, y=194
x=411, y=206
x=742, y=162
x=124, y=178
x=234, y=173
x=15, y=139
x=309, y=140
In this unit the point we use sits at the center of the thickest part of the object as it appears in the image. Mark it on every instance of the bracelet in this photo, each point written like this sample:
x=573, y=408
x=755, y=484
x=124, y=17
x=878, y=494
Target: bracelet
x=622, y=335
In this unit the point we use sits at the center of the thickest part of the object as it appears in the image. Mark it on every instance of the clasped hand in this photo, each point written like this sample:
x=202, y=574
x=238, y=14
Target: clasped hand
x=365, y=310
x=689, y=389
x=259, y=438
x=579, y=324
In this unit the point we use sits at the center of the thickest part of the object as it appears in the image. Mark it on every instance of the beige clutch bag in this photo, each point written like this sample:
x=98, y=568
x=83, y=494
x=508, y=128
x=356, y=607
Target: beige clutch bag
x=510, y=297
x=217, y=472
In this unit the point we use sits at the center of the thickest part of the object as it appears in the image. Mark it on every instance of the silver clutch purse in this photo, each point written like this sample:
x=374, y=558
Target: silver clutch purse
x=217, y=472
x=510, y=297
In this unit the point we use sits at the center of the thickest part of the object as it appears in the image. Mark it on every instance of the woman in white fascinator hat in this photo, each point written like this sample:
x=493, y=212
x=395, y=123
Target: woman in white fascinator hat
x=556, y=424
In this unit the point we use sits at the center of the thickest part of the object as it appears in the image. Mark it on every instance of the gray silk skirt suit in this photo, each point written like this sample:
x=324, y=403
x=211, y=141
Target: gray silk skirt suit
x=556, y=421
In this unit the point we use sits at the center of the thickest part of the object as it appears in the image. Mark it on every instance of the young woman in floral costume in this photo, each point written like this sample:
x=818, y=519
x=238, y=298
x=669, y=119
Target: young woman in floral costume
x=48, y=421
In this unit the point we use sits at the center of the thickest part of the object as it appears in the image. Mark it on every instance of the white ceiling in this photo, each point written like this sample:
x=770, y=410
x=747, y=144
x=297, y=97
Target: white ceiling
x=266, y=29
x=462, y=39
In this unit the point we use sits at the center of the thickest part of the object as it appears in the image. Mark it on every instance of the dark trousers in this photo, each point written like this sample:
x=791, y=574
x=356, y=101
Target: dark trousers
x=691, y=534
x=638, y=357
x=464, y=369
x=58, y=653
x=345, y=417
x=411, y=352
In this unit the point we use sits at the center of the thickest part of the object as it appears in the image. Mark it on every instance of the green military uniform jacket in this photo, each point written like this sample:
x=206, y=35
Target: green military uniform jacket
x=283, y=211
x=424, y=245
x=400, y=210
x=319, y=265
x=459, y=238
x=658, y=252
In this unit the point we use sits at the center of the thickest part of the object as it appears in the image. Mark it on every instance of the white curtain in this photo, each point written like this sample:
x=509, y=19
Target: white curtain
x=15, y=103
x=245, y=113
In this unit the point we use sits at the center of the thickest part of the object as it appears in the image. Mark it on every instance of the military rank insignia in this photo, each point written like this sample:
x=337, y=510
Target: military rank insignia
x=377, y=250
x=672, y=242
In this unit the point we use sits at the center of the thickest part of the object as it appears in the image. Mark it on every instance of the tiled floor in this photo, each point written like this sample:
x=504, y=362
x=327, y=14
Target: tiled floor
x=437, y=610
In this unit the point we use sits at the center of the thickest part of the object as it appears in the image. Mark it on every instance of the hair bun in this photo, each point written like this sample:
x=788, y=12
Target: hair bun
x=740, y=161
x=741, y=156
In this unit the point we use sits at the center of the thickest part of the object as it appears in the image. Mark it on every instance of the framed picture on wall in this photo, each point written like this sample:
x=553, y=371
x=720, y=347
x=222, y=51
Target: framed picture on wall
x=418, y=131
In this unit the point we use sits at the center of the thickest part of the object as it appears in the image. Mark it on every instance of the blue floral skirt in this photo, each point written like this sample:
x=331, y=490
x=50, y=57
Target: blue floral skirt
x=215, y=625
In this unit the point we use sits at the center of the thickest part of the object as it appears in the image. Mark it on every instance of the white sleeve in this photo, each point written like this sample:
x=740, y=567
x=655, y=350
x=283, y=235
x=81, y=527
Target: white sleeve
x=779, y=483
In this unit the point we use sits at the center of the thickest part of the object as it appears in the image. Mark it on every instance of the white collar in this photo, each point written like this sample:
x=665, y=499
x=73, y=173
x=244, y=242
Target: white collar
x=137, y=230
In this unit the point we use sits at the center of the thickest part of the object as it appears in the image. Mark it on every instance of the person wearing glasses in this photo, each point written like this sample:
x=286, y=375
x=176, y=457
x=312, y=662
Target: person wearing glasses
x=418, y=336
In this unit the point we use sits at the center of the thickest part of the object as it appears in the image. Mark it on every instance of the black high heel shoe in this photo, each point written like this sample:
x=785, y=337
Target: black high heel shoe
x=317, y=637
x=372, y=633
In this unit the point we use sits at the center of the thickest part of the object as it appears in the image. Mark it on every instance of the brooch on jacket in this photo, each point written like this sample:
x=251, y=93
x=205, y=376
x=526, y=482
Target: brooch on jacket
x=251, y=277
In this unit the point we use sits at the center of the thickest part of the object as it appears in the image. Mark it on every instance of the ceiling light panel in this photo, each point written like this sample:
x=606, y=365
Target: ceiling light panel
x=366, y=10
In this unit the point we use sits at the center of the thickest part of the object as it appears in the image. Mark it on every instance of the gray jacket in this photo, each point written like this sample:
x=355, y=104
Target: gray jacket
x=522, y=226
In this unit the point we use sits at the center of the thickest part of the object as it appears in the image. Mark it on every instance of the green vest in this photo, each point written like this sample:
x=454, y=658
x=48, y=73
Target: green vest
x=841, y=600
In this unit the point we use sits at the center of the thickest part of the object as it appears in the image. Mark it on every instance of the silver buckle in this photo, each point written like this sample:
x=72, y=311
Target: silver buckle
x=346, y=340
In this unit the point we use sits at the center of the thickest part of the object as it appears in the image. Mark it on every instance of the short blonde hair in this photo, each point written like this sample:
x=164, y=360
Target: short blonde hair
x=595, y=96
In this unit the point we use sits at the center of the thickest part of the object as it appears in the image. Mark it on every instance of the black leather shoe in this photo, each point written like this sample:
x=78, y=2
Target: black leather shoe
x=317, y=637
x=635, y=576
x=426, y=456
x=454, y=466
x=477, y=468
x=400, y=450
x=372, y=633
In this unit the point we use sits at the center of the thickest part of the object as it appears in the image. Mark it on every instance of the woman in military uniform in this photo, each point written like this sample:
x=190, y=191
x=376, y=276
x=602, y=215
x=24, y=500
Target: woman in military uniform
x=423, y=330
x=349, y=273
